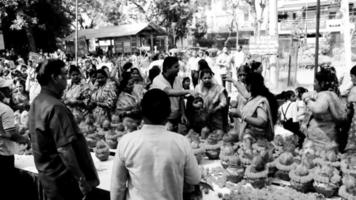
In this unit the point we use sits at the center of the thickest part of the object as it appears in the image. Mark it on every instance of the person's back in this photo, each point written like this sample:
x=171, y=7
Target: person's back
x=155, y=160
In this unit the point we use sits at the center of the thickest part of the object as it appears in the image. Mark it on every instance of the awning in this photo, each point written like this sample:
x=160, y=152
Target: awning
x=117, y=31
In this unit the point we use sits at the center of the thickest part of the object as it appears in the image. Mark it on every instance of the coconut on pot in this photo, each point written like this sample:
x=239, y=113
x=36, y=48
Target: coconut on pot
x=301, y=177
x=284, y=163
x=257, y=172
x=326, y=180
x=212, y=146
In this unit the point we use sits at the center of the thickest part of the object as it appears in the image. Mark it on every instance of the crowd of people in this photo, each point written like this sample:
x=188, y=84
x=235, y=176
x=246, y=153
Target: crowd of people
x=56, y=95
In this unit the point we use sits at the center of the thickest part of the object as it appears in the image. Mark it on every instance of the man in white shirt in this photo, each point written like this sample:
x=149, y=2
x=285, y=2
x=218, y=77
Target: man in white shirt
x=153, y=163
x=169, y=82
x=193, y=67
x=238, y=58
x=223, y=65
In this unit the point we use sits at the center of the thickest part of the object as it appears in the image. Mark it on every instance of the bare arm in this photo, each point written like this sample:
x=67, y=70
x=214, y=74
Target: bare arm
x=260, y=120
x=242, y=89
x=176, y=92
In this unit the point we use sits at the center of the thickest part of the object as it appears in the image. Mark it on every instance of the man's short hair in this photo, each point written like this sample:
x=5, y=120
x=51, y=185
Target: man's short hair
x=156, y=106
x=47, y=69
x=169, y=62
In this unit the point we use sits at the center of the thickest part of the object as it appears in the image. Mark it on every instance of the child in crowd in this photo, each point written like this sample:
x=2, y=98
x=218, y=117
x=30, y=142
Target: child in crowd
x=301, y=107
x=196, y=114
x=288, y=115
x=186, y=83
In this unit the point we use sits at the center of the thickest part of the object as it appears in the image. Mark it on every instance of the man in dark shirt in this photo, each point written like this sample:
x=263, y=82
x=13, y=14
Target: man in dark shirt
x=62, y=158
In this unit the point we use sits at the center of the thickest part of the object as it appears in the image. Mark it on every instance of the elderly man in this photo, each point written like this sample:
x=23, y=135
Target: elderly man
x=62, y=157
x=153, y=163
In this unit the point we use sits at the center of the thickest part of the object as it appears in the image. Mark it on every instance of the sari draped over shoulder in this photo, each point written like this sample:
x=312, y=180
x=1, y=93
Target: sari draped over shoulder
x=80, y=92
x=322, y=127
x=351, y=140
x=213, y=97
x=105, y=95
x=250, y=110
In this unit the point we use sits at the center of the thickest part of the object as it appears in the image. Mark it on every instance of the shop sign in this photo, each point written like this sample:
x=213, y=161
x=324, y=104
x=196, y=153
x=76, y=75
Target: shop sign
x=265, y=45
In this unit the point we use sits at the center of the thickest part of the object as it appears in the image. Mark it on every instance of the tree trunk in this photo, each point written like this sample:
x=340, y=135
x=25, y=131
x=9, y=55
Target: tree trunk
x=31, y=39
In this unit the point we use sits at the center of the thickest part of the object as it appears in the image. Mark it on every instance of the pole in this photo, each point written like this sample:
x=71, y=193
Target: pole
x=76, y=32
x=317, y=37
x=346, y=83
x=273, y=31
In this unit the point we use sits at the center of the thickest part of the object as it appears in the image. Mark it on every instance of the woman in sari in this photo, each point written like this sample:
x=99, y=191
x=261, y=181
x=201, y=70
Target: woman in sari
x=20, y=98
x=127, y=101
x=326, y=111
x=215, y=100
x=139, y=83
x=259, y=114
x=351, y=100
x=242, y=72
x=77, y=94
x=103, y=98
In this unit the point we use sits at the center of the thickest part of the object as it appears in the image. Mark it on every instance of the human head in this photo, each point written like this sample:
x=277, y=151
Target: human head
x=290, y=95
x=101, y=77
x=52, y=73
x=20, y=86
x=92, y=75
x=202, y=64
x=135, y=74
x=106, y=69
x=153, y=72
x=256, y=67
x=206, y=76
x=300, y=91
x=326, y=80
x=242, y=72
x=240, y=48
x=255, y=85
x=198, y=102
x=127, y=84
x=74, y=74
x=156, y=107
x=170, y=67
x=127, y=66
x=186, y=83
x=353, y=74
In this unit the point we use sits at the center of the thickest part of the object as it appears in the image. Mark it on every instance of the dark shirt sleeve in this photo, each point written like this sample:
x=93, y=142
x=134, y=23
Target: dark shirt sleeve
x=62, y=126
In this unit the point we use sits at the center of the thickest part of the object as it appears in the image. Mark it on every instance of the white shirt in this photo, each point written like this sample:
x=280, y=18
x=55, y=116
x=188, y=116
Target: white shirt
x=291, y=112
x=239, y=58
x=193, y=63
x=155, y=163
x=222, y=63
x=162, y=83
